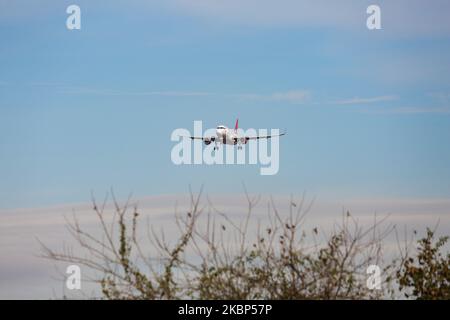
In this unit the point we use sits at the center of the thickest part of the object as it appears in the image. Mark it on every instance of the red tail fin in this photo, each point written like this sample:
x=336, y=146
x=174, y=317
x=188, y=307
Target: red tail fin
x=236, y=126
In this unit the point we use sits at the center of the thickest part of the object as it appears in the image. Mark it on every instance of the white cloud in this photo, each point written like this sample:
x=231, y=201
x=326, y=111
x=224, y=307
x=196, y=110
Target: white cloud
x=441, y=97
x=408, y=17
x=109, y=92
x=292, y=96
x=272, y=13
x=443, y=109
x=410, y=110
x=399, y=17
x=19, y=228
x=46, y=84
x=358, y=100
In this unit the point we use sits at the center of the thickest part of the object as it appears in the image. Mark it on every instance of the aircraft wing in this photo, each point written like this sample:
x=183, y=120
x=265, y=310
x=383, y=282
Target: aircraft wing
x=201, y=138
x=265, y=137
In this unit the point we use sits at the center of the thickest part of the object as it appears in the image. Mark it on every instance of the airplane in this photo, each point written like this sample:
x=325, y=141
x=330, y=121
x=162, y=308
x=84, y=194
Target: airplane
x=225, y=135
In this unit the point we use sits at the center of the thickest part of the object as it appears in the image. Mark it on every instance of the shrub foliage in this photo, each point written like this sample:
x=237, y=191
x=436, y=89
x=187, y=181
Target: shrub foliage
x=217, y=259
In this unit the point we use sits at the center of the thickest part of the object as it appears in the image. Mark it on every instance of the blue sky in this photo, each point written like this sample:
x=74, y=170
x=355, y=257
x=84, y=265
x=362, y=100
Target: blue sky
x=367, y=112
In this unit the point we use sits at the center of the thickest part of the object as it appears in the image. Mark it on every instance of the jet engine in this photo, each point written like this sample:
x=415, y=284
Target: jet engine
x=244, y=140
x=208, y=141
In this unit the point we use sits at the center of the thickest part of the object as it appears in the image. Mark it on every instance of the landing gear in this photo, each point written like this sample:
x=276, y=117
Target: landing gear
x=239, y=147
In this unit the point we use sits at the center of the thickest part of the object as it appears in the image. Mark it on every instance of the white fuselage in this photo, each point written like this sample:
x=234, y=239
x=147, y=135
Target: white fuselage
x=225, y=135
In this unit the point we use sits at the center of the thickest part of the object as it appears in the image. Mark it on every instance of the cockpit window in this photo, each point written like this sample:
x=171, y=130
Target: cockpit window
x=220, y=127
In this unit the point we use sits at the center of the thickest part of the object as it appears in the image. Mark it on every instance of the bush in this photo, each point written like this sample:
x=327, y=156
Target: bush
x=278, y=263
x=427, y=275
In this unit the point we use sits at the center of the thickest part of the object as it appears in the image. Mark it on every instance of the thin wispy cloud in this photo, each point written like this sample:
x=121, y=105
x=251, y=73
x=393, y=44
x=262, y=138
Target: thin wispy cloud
x=294, y=96
x=401, y=17
x=409, y=110
x=358, y=100
x=441, y=97
x=46, y=84
x=49, y=226
x=419, y=110
x=421, y=18
x=109, y=92
x=291, y=96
